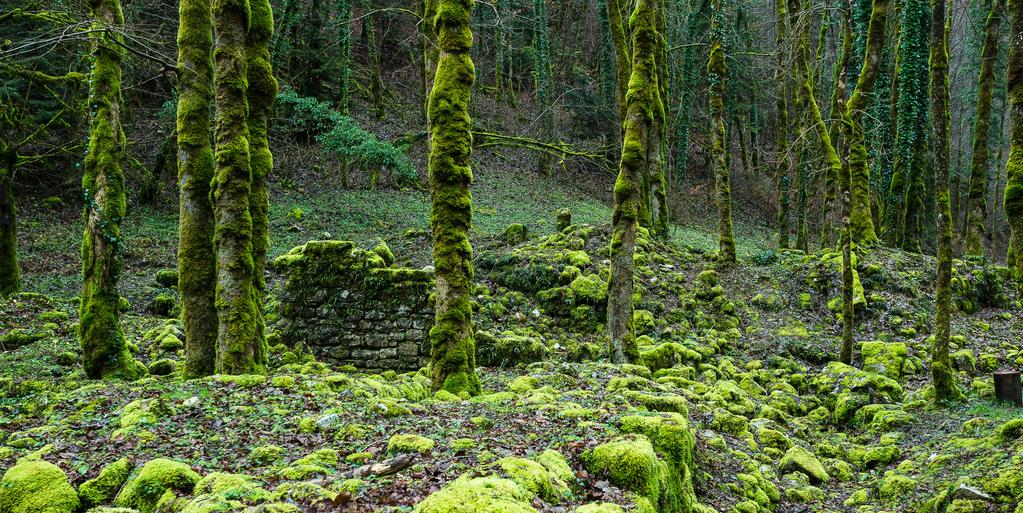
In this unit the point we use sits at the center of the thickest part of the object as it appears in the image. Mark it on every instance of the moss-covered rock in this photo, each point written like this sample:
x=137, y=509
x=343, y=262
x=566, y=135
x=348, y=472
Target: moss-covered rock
x=479, y=495
x=798, y=459
x=884, y=358
x=266, y=454
x=895, y=488
x=35, y=486
x=104, y=487
x=529, y=475
x=409, y=443
x=144, y=489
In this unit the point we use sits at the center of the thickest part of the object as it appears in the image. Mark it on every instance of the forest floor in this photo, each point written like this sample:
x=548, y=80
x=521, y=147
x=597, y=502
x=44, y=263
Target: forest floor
x=743, y=357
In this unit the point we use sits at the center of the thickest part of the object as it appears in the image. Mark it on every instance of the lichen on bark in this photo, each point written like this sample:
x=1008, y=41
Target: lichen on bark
x=105, y=349
x=196, y=262
x=453, y=358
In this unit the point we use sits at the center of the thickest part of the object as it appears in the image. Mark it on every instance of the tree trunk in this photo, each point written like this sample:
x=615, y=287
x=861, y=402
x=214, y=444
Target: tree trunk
x=10, y=277
x=643, y=96
x=782, y=132
x=453, y=352
x=622, y=64
x=544, y=80
x=237, y=308
x=716, y=76
x=344, y=15
x=197, y=277
x=945, y=389
x=106, y=352
x=1013, y=199
x=860, y=218
x=261, y=93
x=977, y=236
x=832, y=217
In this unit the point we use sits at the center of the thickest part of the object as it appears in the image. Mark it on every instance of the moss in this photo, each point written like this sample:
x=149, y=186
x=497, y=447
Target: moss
x=578, y=259
x=1011, y=430
x=599, y=507
x=589, y=289
x=563, y=219
x=515, y=234
x=669, y=355
x=232, y=486
x=484, y=494
x=801, y=460
x=629, y=463
x=266, y=454
x=409, y=443
x=144, y=489
x=322, y=457
x=529, y=475
x=870, y=457
x=523, y=384
x=445, y=396
x=384, y=251
x=35, y=486
x=727, y=422
x=895, y=488
x=774, y=438
x=557, y=466
x=104, y=486
x=302, y=472
x=461, y=445
x=886, y=359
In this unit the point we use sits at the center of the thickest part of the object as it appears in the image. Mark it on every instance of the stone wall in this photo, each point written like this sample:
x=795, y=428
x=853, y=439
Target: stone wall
x=351, y=307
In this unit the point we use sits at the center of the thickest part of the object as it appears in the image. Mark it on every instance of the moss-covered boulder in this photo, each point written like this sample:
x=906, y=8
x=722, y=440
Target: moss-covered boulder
x=104, y=487
x=529, y=475
x=884, y=358
x=35, y=486
x=632, y=463
x=798, y=459
x=409, y=444
x=479, y=495
x=152, y=481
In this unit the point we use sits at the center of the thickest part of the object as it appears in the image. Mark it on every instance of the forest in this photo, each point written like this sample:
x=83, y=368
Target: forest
x=511, y=256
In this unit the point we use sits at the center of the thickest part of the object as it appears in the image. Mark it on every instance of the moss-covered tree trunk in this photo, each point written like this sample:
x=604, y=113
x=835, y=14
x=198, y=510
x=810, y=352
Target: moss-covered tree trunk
x=977, y=236
x=860, y=218
x=105, y=349
x=196, y=261
x=453, y=351
x=716, y=76
x=689, y=77
x=238, y=350
x=369, y=40
x=262, y=89
x=658, y=182
x=813, y=111
x=344, y=44
x=544, y=80
x=430, y=51
x=945, y=389
x=643, y=95
x=831, y=220
x=10, y=276
x=623, y=66
x=1013, y=199
x=784, y=164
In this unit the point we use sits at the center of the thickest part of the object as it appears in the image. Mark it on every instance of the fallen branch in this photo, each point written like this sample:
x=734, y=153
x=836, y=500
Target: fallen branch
x=560, y=149
x=384, y=468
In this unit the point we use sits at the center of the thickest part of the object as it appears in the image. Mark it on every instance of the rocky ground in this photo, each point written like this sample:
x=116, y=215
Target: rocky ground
x=737, y=404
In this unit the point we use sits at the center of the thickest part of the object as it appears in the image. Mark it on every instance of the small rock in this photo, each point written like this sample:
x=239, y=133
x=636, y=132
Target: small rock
x=328, y=421
x=968, y=492
x=191, y=402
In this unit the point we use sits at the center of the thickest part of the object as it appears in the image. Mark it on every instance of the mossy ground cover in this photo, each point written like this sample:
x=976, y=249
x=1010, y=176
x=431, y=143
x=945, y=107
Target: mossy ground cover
x=742, y=351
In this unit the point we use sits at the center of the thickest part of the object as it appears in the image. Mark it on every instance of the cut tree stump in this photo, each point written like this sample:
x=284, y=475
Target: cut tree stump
x=1008, y=387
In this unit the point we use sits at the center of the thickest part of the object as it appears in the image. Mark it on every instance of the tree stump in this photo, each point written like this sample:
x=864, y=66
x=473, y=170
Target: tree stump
x=1007, y=387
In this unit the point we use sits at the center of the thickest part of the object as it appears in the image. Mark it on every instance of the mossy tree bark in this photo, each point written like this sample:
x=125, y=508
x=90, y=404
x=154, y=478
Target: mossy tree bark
x=809, y=99
x=105, y=349
x=430, y=51
x=623, y=66
x=377, y=91
x=238, y=350
x=945, y=389
x=860, y=218
x=10, y=276
x=643, y=97
x=784, y=164
x=658, y=183
x=832, y=213
x=196, y=261
x=544, y=80
x=1013, y=198
x=716, y=76
x=344, y=43
x=262, y=89
x=977, y=236
x=453, y=352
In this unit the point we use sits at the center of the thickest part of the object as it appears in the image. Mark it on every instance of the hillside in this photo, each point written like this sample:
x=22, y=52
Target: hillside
x=739, y=392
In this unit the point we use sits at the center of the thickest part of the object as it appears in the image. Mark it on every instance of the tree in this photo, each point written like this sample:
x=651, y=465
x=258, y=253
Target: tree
x=642, y=98
x=544, y=79
x=945, y=389
x=105, y=349
x=782, y=131
x=453, y=351
x=344, y=44
x=262, y=89
x=716, y=76
x=238, y=313
x=977, y=236
x=1013, y=198
x=196, y=260
x=10, y=276
x=860, y=218
x=621, y=52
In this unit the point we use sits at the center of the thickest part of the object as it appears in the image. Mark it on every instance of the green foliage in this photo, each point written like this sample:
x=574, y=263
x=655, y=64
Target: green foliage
x=342, y=137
